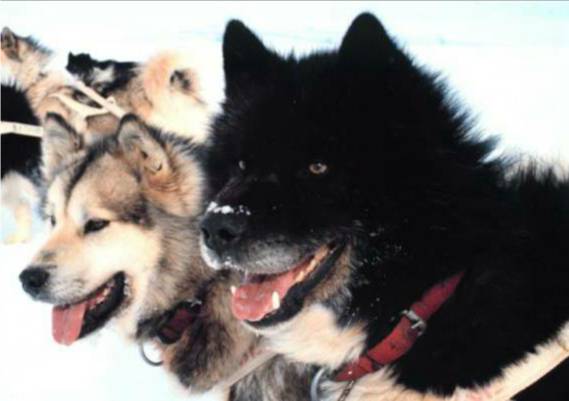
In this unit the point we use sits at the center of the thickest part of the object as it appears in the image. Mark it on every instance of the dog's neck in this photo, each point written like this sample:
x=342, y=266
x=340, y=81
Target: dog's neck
x=178, y=274
x=488, y=325
x=491, y=323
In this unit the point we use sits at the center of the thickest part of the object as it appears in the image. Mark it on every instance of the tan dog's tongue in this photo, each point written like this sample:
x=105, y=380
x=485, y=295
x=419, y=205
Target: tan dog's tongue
x=67, y=321
x=253, y=301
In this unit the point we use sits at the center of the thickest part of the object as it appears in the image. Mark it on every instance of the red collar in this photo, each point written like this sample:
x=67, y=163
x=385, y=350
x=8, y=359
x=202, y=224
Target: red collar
x=412, y=324
x=177, y=320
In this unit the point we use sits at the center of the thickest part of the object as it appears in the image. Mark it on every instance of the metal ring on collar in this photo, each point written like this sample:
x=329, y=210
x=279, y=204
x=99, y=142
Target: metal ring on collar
x=315, y=383
x=146, y=358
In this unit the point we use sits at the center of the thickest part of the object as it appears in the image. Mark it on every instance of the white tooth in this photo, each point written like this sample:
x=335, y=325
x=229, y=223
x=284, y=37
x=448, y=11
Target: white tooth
x=276, y=301
x=312, y=264
x=233, y=289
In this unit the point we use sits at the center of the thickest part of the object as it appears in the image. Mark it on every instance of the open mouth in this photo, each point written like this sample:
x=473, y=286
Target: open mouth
x=74, y=321
x=268, y=298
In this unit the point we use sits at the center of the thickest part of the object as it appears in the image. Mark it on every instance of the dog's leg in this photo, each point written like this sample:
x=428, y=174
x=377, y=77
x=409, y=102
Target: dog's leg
x=24, y=219
x=18, y=196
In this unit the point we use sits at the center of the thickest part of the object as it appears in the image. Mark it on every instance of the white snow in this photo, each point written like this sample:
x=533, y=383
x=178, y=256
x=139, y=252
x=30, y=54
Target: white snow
x=213, y=207
x=507, y=60
x=228, y=209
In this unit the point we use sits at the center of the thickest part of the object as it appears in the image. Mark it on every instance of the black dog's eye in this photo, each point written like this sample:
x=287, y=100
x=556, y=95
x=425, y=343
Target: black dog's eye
x=318, y=168
x=95, y=225
x=242, y=165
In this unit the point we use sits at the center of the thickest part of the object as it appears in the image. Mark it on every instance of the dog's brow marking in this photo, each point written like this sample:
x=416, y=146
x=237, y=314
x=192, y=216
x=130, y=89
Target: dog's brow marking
x=46, y=256
x=79, y=171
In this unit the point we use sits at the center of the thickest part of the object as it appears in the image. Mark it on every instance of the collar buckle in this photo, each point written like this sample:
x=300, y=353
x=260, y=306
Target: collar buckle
x=418, y=324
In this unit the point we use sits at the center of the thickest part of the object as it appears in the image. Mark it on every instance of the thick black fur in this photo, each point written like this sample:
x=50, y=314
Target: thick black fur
x=19, y=153
x=82, y=66
x=409, y=187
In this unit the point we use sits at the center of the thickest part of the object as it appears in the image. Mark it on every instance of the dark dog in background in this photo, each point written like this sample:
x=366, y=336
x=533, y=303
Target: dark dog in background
x=105, y=77
x=19, y=153
x=20, y=164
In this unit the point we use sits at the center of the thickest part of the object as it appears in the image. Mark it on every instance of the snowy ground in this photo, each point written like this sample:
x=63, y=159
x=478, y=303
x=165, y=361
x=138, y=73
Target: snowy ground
x=509, y=61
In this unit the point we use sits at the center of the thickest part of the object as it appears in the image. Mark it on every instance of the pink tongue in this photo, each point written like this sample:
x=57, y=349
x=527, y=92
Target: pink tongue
x=252, y=301
x=67, y=321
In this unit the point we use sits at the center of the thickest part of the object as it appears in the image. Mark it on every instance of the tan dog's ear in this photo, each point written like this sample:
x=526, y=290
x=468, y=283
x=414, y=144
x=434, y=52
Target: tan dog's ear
x=143, y=150
x=9, y=44
x=59, y=142
x=170, y=177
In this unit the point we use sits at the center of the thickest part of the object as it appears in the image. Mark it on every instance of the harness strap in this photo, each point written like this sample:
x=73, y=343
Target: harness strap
x=108, y=104
x=411, y=326
x=9, y=127
x=84, y=111
x=541, y=365
x=260, y=357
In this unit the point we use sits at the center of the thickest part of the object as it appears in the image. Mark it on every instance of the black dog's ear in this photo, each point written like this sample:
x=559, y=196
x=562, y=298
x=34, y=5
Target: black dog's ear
x=366, y=42
x=245, y=57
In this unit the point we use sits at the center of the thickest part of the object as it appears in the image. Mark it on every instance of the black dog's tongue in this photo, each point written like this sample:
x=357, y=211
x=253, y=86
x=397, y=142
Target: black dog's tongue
x=177, y=321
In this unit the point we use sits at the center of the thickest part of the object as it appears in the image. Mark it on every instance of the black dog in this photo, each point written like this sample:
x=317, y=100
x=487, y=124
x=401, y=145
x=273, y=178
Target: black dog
x=348, y=186
x=105, y=76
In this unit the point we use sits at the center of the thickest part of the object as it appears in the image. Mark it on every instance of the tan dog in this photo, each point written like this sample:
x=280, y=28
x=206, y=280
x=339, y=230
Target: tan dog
x=159, y=93
x=169, y=91
x=123, y=250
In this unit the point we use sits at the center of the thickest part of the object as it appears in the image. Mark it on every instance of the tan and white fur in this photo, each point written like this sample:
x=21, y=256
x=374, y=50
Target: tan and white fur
x=159, y=94
x=154, y=94
x=26, y=63
x=81, y=263
x=149, y=187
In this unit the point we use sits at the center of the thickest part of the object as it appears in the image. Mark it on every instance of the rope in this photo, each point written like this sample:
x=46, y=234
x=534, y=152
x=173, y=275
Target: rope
x=109, y=106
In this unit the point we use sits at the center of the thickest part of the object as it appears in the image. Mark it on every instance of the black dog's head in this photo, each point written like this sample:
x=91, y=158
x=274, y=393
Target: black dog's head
x=312, y=156
x=80, y=65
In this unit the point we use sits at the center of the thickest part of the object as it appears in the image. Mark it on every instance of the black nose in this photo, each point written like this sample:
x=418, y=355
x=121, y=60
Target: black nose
x=33, y=279
x=220, y=230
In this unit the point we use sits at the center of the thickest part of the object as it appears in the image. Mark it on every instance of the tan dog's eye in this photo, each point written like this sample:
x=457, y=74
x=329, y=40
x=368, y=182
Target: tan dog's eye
x=52, y=220
x=94, y=225
x=318, y=168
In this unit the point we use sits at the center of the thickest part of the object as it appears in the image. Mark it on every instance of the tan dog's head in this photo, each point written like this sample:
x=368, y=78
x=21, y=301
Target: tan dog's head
x=122, y=241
